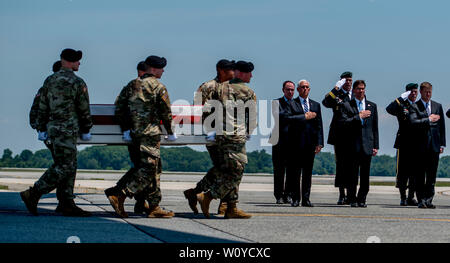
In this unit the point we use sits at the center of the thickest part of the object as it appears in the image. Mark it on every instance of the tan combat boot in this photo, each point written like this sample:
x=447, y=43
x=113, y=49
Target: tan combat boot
x=68, y=208
x=205, y=199
x=191, y=196
x=222, y=208
x=31, y=199
x=234, y=212
x=117, y=198
x=155, y=211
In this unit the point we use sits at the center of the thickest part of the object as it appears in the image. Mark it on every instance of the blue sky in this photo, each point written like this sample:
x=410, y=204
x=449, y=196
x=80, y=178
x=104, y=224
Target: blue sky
x=386, y=43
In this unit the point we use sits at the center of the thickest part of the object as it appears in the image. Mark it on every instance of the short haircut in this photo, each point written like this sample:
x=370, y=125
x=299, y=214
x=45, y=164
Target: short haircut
x=288, y=81
x=300, y=81
x=141, y=66
x=425, y=84
x=358, y=82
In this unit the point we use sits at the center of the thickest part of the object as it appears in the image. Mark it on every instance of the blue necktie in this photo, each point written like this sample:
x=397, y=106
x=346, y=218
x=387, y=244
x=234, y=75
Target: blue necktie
x=305, y=106
x=426, y=108
x=360, y=109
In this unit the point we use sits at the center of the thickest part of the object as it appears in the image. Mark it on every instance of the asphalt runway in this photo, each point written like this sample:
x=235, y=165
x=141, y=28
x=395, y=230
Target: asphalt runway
x=382, y=221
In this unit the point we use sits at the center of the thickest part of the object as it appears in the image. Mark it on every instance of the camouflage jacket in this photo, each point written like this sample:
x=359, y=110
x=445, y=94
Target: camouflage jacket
x=205, y=91
x=64, y=105
x=34, y=109
x=141, y=106
x=237, y=124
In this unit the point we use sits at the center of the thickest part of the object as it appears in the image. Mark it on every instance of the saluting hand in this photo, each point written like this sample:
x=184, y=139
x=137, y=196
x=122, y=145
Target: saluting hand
x=340, y=83
x=310, y=115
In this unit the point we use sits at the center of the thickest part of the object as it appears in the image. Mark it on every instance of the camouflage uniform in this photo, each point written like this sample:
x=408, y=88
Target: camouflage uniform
x=206, y=90
x=64, y=113
x=231, y=144
x=140, y=108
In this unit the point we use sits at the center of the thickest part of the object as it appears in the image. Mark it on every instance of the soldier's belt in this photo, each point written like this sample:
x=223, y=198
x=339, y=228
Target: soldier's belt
x=187, y=122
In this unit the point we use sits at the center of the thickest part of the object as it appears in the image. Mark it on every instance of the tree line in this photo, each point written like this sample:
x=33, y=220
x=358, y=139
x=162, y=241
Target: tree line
x=186, y=159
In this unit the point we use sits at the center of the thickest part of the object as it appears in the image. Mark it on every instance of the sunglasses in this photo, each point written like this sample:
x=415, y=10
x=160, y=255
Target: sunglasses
x=304, y=87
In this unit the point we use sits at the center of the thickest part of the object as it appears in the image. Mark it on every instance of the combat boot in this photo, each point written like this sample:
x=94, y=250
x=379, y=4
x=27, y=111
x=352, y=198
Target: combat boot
x=70, y=209
x=222, y=208
x=31, y=199
x=191, y=196
x=117, y=198
x=205, y=199
x=155, y=211
x=140, y=206
x=234, y=212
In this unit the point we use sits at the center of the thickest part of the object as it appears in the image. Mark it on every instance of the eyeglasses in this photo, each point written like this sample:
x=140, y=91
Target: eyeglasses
x=304, y=87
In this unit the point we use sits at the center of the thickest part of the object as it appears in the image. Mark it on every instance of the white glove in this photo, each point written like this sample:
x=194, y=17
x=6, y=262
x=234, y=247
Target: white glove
x=42, y=136
x=172, y=137
x=86, y=136
x=211, y=136
x=405, y=94
x=126, y=136
x=340, y=83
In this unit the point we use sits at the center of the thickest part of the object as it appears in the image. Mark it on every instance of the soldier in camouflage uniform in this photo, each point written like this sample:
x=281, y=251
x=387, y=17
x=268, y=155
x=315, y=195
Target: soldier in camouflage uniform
x=123, y=117
x=225, y=72
x=33, y=120
x=63, y=114
x=231, y=138
x=140, y=109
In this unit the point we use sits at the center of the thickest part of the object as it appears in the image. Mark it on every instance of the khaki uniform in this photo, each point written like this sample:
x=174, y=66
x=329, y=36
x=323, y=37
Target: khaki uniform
x=64, y=113
x=141, y=108
x=231, y=143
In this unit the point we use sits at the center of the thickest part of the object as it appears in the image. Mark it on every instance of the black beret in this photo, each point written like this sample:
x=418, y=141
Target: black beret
x=243, y=66
x=71, y=55
x=411, y=86
x=156, y=62
x=346, y=74
x=141, y=66
x=225, y=64
x=56, y=66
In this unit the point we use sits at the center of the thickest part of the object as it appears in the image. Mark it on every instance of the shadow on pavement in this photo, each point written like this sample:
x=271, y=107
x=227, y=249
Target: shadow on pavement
x=17, y=225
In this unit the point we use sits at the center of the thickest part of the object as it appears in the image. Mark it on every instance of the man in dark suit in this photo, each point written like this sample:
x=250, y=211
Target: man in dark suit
x=404, y=143
x=307, y=140
x=281, y=142
x=359, y=118
x=334, y=100
x=427, y=121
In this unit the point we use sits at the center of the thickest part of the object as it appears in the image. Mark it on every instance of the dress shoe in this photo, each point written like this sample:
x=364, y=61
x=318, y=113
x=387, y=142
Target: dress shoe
x=342, y=200
x=430, y=205
x=411, y=202
x=422, y=204
x=307, y=204
x=288, y=200
x=354, y=204
x=295, y=203
x=403, y=202
x=362, y=205
x=280, y=201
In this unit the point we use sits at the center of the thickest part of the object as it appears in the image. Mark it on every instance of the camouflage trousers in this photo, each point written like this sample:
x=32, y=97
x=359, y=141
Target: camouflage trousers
x=61, y=175
x=143, y=180
x=232, y=159
x=205, y=183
